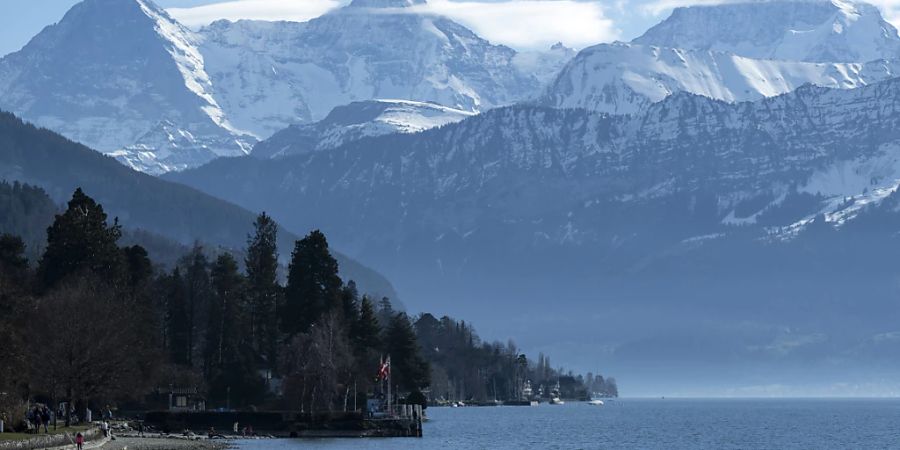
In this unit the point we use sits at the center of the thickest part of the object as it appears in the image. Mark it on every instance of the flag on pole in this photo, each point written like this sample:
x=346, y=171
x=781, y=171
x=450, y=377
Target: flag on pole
x=384, y=369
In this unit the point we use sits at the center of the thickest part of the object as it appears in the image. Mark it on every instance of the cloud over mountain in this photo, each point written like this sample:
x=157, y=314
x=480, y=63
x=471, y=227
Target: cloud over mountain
x=537, y=23
x=253, y=10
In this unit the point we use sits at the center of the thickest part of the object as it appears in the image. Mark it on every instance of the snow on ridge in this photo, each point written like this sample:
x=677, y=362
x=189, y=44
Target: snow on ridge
x=838, y=211
x=406, y=116
x=427, y=105
x=849, y=187
x=190, y=63
x=813, y=31
x=623, y=78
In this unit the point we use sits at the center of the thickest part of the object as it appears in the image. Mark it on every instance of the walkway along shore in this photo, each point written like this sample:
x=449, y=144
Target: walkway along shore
x=94, y=439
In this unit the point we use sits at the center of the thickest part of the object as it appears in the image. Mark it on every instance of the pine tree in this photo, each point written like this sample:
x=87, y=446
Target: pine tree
x=197, y=292
x=365, y=338
x=262, y=287
x=313, y=287
x=350, y=304
x=408, y=369
x=224, y=328
x=385, y=312
x=80, y=240
x=230, y=365
x=13, y=309
x=138, y=268
x=366, y=332
x=13, y=262
x=176, y=323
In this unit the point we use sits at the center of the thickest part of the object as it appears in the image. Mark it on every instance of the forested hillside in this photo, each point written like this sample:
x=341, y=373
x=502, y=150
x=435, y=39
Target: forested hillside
x=59, y=166
x=239, y=337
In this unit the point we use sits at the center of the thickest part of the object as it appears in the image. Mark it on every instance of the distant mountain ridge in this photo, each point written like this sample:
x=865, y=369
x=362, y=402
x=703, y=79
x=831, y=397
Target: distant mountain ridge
x=356, y=121
x=683, y=143
x=697, y=224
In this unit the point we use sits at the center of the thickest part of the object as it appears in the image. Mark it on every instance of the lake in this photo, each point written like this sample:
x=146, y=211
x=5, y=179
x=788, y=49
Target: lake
x=646, y=424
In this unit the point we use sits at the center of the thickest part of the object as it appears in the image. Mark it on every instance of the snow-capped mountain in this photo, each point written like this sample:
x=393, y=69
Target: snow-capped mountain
x=125, y=78
x=356, y=121
x=794, y=30
x=271, y=75
x=624, y=78
x=734, y=52
x=545, y=65
x=169, y=147
x=110, y=73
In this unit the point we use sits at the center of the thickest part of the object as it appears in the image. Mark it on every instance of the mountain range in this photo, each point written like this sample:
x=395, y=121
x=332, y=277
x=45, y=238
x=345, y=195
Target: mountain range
x=125, y=78
x=714, y=200
x=488, y=209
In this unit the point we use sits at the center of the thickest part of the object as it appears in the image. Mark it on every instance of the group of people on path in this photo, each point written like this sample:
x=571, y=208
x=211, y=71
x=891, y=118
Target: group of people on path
x=36, y=417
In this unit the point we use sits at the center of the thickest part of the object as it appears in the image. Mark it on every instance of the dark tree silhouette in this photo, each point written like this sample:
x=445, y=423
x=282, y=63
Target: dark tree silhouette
x=313, y=287
x=263, y=289
x=80, y=240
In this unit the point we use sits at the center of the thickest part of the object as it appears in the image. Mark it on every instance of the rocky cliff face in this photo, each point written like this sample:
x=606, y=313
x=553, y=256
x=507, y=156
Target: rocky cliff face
x=553, y=173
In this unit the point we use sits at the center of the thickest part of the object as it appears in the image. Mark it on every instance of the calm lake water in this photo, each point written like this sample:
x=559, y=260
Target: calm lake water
x=646, y=424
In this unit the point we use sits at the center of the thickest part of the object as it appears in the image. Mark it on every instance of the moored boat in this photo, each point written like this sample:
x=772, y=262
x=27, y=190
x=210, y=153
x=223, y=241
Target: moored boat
x=554, y=396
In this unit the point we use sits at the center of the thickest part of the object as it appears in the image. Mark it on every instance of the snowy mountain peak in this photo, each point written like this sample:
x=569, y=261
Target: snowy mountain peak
x=797, y=30
x=734, y=52
x=385, y=3
x=63, y=80
x=356, y=121
x=110, y=7
x=125, y=78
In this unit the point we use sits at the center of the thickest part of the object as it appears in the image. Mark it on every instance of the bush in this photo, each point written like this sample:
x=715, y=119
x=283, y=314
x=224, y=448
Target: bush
x=12, y=412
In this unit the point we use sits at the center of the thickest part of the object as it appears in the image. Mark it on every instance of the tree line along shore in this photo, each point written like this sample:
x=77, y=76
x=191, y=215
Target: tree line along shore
x=100, y=325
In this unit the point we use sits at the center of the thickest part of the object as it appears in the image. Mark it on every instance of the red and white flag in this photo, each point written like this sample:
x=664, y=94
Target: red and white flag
x=384, y=370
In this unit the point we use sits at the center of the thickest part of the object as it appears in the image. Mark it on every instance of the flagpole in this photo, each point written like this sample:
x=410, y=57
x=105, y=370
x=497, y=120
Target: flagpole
x=388, y=379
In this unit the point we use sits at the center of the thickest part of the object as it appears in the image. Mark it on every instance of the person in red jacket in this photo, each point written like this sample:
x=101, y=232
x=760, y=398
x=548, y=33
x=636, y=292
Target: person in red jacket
x=79, y=441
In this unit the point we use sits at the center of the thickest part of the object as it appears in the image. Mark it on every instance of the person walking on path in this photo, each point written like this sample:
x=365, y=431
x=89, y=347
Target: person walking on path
x=79, y=441
x=140, y=427
x=45, y=417
x=37, y=420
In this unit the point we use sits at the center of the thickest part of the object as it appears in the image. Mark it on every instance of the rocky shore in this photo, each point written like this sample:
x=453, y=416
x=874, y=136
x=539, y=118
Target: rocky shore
x=165, y=443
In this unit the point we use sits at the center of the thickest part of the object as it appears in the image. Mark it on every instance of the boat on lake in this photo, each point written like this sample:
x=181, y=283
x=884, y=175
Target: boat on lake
x=554, y=396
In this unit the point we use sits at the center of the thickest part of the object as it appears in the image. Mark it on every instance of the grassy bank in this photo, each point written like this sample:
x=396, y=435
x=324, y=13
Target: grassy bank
x=25, y=436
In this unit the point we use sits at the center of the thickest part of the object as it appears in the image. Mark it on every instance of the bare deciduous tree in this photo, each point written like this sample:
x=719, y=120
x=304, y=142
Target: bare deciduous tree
x=319, y=367
x=85, y=342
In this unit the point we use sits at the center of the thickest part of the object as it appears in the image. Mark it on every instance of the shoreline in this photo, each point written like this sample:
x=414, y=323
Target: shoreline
x=166, y=443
